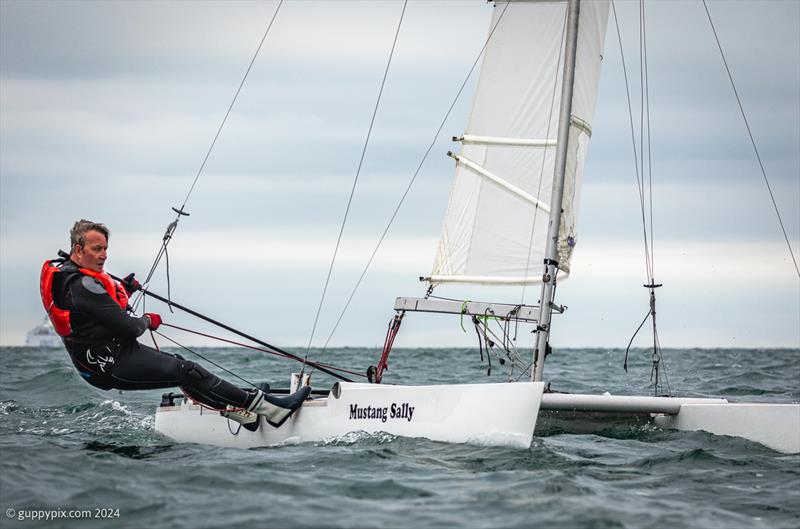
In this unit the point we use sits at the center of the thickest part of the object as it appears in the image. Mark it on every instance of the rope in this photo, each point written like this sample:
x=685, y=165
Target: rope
x=657, y=357
x=411, y=182
x=233, y=101
x=664, y=363
x=752, y=140
x=487, y=339
x=212, y=408
x=643, y=163
x=263, y=350
x=463, y=311
x=633, y=139
x=204, y=358
x=657, y=383
x=646, y=104
x=627, y=349
x=169, y=288
x=235, y=331
x=355, y=181
x=391, y=334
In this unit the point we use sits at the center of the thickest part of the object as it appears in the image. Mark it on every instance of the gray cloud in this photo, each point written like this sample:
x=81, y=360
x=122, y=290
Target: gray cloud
x=106, y=110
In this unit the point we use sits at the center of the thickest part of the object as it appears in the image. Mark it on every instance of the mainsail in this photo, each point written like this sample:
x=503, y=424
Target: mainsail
x=496, y=223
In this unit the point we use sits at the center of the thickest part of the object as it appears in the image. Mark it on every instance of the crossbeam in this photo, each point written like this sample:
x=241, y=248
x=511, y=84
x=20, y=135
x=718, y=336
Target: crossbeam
x=620, y=403
x=525, y=313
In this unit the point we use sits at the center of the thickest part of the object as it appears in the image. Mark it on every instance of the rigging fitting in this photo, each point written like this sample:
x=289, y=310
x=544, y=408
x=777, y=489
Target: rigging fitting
x=375, y=374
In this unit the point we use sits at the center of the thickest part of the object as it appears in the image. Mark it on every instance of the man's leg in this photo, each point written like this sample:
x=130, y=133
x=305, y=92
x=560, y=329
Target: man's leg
x=140, y=367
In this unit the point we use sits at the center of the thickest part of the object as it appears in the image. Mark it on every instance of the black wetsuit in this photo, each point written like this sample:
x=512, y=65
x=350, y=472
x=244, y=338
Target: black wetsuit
x=104, y=349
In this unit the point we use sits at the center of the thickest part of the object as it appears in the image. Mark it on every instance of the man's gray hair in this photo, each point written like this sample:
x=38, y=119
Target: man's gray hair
x=77, y=235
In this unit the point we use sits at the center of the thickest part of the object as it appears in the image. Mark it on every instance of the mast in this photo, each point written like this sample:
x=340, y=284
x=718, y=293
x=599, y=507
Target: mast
x=551, y=251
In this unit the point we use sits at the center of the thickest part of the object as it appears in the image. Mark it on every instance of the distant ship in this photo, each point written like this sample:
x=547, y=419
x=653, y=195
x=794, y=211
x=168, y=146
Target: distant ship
x=43, y=336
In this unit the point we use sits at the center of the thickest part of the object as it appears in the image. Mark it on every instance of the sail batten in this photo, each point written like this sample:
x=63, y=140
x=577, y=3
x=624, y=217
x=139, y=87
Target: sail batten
x=493, y=140
x=503, y=184
x=483, y=280
x=497, y=217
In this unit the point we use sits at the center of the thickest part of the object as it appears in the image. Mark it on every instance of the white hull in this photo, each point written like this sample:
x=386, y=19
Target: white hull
x=776, y=426
x=486, y=414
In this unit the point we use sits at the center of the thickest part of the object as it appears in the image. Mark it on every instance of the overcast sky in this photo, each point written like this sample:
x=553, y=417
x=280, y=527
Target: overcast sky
x=107, y=109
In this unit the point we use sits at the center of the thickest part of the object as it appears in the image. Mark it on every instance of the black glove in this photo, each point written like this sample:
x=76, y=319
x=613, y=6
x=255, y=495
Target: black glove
x=130, y=284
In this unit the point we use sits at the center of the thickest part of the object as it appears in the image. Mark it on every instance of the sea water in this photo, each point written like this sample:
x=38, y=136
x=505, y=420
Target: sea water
x=75, y=456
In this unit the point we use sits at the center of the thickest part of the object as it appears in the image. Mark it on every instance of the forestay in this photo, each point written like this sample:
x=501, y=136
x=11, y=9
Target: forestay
x=497, y=217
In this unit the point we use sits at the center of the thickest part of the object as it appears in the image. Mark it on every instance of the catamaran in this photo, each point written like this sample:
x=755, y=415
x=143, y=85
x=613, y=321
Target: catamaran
x=511, y=220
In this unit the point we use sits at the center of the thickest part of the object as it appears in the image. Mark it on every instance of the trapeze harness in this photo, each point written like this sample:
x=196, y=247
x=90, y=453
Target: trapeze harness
x=89, y=310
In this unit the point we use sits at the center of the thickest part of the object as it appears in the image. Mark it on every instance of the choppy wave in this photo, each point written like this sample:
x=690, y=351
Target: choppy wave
x=68, y=445
x=352, y=438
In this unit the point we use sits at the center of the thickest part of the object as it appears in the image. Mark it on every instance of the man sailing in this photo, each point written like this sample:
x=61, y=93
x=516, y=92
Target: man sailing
x=90, y=311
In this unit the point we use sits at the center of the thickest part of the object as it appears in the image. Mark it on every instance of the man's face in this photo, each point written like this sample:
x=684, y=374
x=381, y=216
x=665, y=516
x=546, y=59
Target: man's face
x=93, y=253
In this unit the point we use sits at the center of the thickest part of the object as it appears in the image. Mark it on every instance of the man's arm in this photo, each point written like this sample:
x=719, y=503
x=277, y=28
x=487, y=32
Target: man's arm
x=89, y=296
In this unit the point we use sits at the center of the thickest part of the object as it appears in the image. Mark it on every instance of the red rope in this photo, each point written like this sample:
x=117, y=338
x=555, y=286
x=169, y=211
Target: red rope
x=248, y=346
x=383, y=363
x=206, y=406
